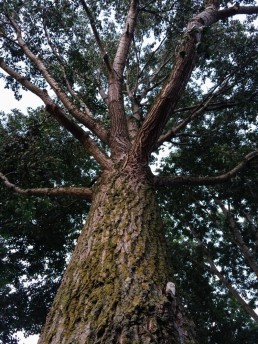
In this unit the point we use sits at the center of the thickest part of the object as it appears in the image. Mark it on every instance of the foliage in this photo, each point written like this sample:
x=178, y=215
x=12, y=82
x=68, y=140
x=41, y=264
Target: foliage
x=203, y=222
x=37, y=234
x=218, y=316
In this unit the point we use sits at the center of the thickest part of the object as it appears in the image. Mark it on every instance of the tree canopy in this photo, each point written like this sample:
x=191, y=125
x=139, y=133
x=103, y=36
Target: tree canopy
x=201, y=132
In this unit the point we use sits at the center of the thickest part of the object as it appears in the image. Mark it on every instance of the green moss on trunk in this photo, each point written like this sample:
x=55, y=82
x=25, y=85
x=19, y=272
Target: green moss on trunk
x=113, y=288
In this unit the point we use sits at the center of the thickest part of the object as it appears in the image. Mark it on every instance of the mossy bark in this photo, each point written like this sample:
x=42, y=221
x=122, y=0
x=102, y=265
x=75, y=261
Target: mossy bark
x=113, y=290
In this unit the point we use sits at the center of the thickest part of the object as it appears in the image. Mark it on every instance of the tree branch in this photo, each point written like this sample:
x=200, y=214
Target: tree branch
x=120, y=142
x=81, y=135
x=165, y=181
x=24, y=82
x=172, y=91
x=63, y=64
x=97, y=37
x=154, y=81
x=61, y=117
x=222, y=279
x=198, y=111
x=85, y=193
x=237, y=237
x=174, y=87
x=236, y=9
x=126, y=39
x=83, y=117
x=254, y=229
x=149, y=61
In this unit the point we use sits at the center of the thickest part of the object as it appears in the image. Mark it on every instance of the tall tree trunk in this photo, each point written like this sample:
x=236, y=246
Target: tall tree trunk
x=114, y=288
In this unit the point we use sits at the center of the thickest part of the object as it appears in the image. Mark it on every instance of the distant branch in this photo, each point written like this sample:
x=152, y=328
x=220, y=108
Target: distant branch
x=226, y=283
x=152, y=56
x=254, y=228
x=85, y=193
x=154, y=81
x=62, y=65
x=166, y=181
x=238, y=238
x=198, y=111
x=233, y=229
x=97, y=36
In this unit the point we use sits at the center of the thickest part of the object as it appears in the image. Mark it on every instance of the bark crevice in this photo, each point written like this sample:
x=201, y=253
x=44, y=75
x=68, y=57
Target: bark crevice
x=113, y=288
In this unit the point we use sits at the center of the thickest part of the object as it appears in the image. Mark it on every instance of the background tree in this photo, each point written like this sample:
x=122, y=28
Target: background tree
x=37, y=233
x=139, y=93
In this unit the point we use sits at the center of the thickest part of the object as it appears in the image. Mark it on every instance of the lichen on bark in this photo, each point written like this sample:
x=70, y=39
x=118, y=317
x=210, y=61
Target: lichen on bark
x=113, y=288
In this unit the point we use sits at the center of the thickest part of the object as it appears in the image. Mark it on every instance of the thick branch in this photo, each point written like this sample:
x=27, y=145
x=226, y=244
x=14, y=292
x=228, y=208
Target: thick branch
x=173, y=89
x=236, y=9
x=126, y=39
x=185, y=180
x=120, y=143
x=81, y=192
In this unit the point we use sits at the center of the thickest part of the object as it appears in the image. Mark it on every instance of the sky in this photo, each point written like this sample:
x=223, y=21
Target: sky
x=29, y=340
x=8, y=102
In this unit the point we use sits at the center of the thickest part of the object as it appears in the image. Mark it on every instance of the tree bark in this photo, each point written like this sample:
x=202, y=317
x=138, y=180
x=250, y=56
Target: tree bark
x=114, y=288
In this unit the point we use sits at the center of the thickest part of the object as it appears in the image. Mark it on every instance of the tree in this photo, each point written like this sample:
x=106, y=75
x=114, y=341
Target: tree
x=37, y=233
x=142, y=89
